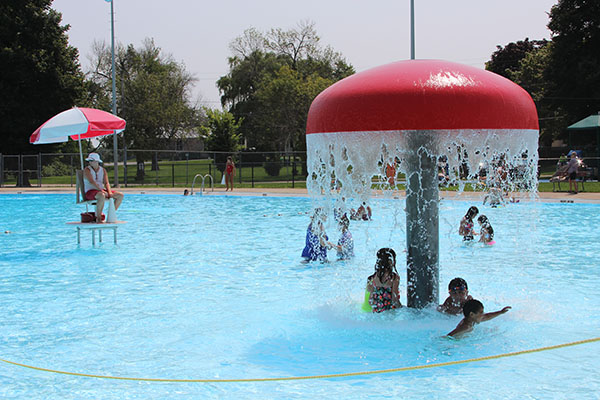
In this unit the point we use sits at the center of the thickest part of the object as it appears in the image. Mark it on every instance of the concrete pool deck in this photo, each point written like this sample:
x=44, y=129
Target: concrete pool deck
x=551, y=197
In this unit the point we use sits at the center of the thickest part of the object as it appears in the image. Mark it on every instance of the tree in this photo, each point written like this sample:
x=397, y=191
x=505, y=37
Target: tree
x=284, y=101
x=221, y=133
x=153, y=96
x=573, y=69
x=270, y=76
x=506, y=60
x=40, y=74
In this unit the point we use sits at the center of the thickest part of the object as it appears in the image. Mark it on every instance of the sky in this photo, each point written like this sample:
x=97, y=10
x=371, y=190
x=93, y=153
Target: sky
x=197, y=33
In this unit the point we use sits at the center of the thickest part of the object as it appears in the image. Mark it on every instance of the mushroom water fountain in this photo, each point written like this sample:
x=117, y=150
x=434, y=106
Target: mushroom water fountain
x=413, y=115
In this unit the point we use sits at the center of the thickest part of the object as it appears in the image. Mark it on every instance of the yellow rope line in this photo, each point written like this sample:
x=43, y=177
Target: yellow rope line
x=329, y=376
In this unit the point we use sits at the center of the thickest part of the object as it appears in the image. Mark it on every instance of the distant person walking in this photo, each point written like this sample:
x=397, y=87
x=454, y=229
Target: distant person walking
x=229, y=173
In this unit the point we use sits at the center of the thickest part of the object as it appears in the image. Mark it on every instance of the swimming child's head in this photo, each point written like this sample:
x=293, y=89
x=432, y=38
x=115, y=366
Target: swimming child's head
x=386, y=262
x=319, y=214
x=483, y=219
x=458, y=289
x=472, y=212
x=473, y=307
x=344, y=222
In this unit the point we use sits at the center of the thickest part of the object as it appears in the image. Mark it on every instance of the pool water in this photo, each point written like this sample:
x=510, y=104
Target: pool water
x=213, y=287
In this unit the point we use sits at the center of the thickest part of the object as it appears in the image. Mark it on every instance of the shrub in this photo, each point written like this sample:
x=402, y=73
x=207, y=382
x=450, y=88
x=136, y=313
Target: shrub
x=272, y=168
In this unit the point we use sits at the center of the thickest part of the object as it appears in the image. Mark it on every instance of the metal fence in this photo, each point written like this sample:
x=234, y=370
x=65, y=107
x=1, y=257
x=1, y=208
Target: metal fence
x=157, y=168
x=178, y=168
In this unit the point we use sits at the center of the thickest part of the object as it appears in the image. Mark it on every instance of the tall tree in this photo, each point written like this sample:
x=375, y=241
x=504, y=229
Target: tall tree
x=506, y=60
x=284, y=101
x=153, y=96
x=279, y=60
x=40, y=74
x=221, y=133
x=574, y=66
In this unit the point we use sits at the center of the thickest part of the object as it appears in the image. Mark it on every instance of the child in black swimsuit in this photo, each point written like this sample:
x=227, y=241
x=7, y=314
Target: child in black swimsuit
x=466, y=224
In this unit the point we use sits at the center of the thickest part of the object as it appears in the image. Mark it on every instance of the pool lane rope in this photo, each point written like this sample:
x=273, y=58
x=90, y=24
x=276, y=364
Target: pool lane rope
x=328, y=376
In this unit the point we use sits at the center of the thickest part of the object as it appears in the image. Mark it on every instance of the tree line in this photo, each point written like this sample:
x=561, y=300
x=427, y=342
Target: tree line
x=273, y=78
x=562, y=75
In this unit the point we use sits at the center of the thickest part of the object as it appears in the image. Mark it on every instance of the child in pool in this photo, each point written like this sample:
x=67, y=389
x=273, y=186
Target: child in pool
x=466, y=224
x=473, y=312
x=459, y=295
x=486, y=234
x=316, y=245
x=363, y=212
x=383, y=284
x=345, y=245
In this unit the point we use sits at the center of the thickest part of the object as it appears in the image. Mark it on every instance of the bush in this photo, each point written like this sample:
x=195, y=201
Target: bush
x=272, y=168
x=56, y=168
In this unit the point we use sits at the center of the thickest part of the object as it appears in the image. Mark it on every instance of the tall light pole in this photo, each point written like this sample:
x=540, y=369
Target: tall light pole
x=114, y=91
x=412, y=29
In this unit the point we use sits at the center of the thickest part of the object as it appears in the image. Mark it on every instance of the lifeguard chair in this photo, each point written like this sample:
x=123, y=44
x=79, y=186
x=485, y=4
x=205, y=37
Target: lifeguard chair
x=80, y=199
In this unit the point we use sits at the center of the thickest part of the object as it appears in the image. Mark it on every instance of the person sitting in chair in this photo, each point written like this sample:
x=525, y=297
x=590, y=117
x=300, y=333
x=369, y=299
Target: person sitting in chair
x=96, y=186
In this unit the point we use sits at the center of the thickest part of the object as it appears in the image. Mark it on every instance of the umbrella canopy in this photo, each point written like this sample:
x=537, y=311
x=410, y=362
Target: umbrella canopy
x=77, y=123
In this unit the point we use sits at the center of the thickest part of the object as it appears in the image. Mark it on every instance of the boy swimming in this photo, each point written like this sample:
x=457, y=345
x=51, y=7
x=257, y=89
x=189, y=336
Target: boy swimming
x=473, y=312
x=458, y=295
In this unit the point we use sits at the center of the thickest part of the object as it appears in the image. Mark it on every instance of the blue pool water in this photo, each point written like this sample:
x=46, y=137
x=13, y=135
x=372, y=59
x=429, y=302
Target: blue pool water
x=213, y=287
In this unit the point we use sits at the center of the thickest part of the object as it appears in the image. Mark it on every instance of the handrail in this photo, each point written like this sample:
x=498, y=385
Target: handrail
x=212, y=186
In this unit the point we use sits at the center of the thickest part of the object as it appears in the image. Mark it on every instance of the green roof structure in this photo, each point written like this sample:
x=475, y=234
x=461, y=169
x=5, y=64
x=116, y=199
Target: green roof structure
x=588, y=124
x=591, y=122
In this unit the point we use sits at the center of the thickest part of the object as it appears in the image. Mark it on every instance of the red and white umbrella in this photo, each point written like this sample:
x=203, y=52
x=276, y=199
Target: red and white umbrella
x=77, y=123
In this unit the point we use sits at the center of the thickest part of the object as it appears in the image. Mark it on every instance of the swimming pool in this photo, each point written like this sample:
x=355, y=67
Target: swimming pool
x=213, y=287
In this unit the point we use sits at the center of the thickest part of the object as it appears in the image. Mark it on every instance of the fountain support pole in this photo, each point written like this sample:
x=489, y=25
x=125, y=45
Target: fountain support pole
x=422, y=220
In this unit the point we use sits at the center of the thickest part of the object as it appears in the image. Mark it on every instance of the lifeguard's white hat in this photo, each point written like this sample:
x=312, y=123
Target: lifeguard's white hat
x=94, y=157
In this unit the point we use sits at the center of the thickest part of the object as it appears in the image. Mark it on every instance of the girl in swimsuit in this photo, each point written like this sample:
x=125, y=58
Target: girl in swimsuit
x=316, y=245
x=229, y=173
x=345, y=246
x=466, y=224
x=487, y=232
x=383, y=284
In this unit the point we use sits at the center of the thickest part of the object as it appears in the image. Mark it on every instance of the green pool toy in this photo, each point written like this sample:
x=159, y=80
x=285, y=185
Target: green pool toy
x=366, y=307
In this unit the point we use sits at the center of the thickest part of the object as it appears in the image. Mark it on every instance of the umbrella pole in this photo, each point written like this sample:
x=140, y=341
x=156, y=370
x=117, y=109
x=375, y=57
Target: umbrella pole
x=80, y=152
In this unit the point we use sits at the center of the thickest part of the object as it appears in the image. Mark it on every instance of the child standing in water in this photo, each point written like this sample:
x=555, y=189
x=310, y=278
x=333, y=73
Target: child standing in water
x=486, y=234
x=466, y=224
x=345, y=246
x=473, y=312
x=316, y=238
x=382, y=286
x=459, y=295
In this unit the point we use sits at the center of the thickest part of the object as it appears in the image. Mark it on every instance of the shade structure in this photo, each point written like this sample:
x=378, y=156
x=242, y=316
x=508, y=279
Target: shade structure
x=77, y=123
x=410, y=113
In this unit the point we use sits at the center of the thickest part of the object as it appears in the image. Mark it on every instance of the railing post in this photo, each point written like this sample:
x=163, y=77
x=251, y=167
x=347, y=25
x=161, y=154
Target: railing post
x=20, y=170
x=252, y=165
x=125, y=166
x=240, y=169
x=187, y=167
x=173, y=175
x=39, y=169
x=293, y=171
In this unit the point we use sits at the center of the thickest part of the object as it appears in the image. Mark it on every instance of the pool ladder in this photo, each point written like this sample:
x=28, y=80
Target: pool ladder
x=203, y=177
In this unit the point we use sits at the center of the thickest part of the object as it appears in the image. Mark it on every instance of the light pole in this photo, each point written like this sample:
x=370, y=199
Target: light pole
x=412, y=29
x=114, y=90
